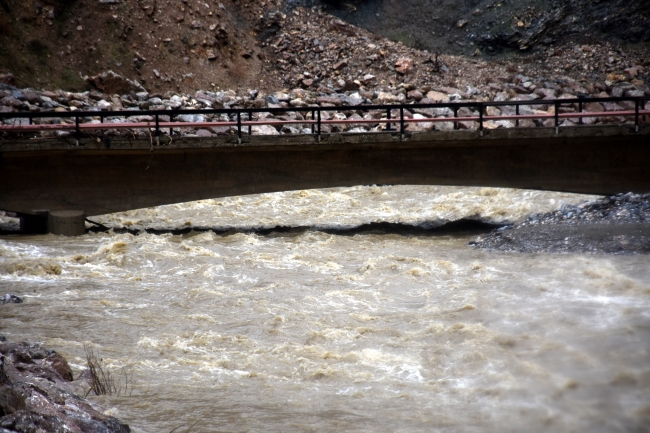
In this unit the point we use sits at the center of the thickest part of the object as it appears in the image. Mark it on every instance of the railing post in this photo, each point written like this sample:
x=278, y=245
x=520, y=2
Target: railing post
x=319, y=124
x=517, y=113
x=455, y=115
x=580, y=111
x=250, y=127
x=77, y=133
x=557, y=117
x=171, y=119
x=101, y=120
x=480, y=120
x=239, y=127
x=157, y=130
x=388, y=114
x=313, y=116
x=636, y=115
x=401, y=121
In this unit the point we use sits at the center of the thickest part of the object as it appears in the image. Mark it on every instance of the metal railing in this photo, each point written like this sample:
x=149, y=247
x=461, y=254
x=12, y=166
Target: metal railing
x=163, y=119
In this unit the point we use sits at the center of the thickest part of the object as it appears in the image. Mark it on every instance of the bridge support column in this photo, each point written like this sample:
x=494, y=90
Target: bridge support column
x=67, y=222
x=35, y=223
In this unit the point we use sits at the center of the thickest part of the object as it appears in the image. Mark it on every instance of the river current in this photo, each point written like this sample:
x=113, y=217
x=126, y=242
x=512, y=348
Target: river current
x=313, y=330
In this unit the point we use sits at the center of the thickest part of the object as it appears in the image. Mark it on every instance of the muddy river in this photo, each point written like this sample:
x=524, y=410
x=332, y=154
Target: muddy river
x=321, y=329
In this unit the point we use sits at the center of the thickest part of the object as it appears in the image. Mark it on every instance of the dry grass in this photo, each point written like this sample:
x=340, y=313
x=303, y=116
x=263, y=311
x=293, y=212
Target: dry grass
x=101, y=381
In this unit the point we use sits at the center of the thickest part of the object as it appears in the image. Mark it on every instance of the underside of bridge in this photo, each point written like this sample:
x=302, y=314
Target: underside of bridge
x=55, y=175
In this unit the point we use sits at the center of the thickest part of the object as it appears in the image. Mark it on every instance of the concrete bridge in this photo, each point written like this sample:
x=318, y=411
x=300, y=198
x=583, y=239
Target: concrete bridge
x=52, y=175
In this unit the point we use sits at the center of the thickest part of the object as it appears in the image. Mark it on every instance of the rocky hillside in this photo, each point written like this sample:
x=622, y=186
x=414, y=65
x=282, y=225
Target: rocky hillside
x=474, y=27
x=268, y=45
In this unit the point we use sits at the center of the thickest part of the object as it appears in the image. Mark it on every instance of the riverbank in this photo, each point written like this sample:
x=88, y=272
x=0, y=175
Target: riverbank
x=619, y=224
x=38, y=393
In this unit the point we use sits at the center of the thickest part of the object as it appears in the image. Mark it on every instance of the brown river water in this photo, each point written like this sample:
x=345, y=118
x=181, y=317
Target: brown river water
x=318, y=331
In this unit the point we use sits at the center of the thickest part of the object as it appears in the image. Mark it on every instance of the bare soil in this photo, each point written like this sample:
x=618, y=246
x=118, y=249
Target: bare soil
x=173, y=46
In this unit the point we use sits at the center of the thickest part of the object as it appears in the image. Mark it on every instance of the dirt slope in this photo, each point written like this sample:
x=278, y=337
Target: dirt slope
x=188, y=45
x=164, y=45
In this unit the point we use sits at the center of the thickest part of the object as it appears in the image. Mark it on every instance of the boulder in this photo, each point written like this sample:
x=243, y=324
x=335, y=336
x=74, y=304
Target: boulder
x=264, y=130
x=329, y=100
x=438, y=97
x=386, y=98
x=10, y=299
x=404, y=65
x=111, y=83
x=420, y=126
x=10, y=101
x=414, y=95
x=61, y=366
x=8, y=79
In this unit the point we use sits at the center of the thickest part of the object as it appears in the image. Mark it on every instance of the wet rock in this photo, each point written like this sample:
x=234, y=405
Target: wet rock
x=10, y=299
x=11, y=401
x=35, y=397
x=61, y=366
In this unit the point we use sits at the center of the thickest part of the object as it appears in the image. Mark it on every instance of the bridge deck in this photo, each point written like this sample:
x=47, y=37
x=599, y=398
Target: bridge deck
x=133, y=173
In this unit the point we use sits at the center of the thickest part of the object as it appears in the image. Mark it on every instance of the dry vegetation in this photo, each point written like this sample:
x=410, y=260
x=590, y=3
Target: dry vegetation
x=101, y=381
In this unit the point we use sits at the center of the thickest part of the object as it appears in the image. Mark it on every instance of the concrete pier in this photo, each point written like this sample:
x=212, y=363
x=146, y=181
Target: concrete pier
x=67, y=222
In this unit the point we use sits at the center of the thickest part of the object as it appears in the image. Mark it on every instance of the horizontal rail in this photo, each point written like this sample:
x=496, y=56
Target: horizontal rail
x=149, y=125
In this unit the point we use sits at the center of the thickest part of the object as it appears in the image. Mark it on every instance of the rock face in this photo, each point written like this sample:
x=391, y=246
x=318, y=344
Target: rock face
x=36, y=395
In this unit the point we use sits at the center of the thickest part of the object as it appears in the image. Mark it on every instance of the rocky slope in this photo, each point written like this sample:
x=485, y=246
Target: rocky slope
x=495, y=26
x=613, y=225
x=273, y=44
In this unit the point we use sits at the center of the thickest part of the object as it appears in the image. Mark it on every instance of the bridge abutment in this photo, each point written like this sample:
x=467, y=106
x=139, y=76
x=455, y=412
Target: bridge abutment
x=62, y=222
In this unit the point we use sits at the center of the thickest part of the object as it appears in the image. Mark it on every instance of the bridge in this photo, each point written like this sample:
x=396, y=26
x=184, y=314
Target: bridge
x=94, y=167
